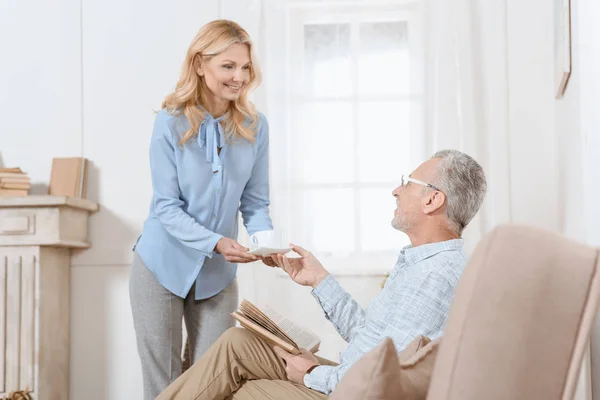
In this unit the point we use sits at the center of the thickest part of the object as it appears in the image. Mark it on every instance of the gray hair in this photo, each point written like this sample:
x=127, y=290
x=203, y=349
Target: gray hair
x=462, y=180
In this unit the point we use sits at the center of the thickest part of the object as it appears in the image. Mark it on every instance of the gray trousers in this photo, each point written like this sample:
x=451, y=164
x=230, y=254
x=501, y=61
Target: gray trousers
x=157, y=319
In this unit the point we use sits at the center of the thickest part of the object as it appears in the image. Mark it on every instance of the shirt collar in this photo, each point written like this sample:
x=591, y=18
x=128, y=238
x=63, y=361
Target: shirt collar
x=413, y=255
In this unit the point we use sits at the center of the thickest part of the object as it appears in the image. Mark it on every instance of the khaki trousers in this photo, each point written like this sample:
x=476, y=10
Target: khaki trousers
x=239, y=366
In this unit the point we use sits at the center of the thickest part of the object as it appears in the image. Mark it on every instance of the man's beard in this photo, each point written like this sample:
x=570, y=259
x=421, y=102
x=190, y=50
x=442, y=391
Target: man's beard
x=403, y=223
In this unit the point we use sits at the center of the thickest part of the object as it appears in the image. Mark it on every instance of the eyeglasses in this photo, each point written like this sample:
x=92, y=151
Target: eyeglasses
x=406, y=179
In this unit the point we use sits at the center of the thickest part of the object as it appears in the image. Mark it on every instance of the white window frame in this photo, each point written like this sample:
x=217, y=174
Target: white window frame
x=353, y=12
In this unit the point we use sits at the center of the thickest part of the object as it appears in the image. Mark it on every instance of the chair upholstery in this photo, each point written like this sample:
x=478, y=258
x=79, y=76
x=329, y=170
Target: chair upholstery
x=521, y=319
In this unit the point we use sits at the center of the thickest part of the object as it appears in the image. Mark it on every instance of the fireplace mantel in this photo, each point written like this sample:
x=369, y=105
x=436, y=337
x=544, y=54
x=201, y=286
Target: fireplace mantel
x=37, y=234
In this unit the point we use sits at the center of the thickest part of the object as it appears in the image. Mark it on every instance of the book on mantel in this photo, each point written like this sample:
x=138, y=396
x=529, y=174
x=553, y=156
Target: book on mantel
x=68, y=177
x=14, y=182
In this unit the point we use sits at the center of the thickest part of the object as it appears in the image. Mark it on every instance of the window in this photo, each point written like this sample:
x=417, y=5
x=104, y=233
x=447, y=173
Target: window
x=354, y=127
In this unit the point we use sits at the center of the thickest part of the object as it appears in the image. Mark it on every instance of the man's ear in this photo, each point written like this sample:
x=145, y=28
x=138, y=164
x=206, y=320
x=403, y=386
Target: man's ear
x=198, y=65
x=433, y=201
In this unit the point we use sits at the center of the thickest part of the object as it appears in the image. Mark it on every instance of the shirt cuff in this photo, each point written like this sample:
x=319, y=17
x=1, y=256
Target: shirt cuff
x=212, y=243
x=263, y=224
x=328, y=293
x=318, y=377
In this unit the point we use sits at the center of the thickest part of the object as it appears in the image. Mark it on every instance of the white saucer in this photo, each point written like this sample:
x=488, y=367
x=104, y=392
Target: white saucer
x=267, y=251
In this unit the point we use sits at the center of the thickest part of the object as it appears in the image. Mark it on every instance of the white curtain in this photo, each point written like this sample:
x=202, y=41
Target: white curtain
x=467, y=94
x=464, y=71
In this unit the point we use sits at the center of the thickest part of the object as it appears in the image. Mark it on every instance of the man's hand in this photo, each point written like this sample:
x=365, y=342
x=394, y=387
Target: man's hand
x=268, y=260
x=233, y=251
x=306, y=271
x=296, y=366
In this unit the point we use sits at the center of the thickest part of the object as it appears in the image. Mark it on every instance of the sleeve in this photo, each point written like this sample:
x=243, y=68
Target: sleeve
x=254, y=204
x=166, y=194
x=420, y=304
x=346, y=315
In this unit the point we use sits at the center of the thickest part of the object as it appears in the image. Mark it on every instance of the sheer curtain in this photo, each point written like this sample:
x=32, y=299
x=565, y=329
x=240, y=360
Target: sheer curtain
x=467, y=94
x=358, y=93
x=344, y=96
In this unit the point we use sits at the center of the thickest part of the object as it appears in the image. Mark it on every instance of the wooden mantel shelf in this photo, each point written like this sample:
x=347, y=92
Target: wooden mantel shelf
x=45, y=221
x=48, y=201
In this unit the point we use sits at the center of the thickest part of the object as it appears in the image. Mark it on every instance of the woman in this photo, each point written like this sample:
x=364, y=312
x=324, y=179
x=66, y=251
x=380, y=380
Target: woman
x=208, y=160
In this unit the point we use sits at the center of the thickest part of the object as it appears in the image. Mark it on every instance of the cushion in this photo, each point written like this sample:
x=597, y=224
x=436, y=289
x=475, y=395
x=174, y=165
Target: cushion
x=416, y=371
x=413, y=347
x=382, y=374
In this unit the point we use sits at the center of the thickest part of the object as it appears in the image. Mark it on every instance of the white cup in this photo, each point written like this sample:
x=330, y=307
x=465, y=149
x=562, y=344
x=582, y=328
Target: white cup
x=269, y=239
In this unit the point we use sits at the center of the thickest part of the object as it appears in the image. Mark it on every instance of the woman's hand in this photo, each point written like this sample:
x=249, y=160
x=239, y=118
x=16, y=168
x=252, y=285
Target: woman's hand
x=233, y=251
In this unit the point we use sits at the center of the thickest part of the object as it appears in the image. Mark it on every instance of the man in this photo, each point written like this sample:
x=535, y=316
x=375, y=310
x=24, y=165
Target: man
x=434, y=204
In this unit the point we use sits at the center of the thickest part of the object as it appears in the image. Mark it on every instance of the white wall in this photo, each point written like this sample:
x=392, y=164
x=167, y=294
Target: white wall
x=569, y=140
x=532, y=152
x=587, y=32
x=83, y=79
x=577, y=125
x=40, y=84
x=551, y=151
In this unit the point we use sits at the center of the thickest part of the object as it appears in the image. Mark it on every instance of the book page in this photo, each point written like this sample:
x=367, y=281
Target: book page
x=252, y=312
x=273, y=325
x=303, y=338
x=265, y=334
x=256, y=315
x=268, y=325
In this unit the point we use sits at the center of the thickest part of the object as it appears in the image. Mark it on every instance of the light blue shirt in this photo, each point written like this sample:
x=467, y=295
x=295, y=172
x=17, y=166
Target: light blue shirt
x=197, y=194
x=415, y=301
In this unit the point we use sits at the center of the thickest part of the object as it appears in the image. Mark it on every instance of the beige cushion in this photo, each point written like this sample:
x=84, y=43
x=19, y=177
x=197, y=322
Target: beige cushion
x=383, y=374
x=413, y=347
x=416, y=371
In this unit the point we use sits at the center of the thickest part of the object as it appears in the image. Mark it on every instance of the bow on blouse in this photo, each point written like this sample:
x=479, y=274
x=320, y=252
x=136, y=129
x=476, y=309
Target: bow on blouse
x=211, y=137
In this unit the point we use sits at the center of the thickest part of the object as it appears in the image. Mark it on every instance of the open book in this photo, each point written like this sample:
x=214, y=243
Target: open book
x=273, y=327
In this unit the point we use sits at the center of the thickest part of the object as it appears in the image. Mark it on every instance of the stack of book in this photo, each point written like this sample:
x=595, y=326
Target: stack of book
x=14, y=182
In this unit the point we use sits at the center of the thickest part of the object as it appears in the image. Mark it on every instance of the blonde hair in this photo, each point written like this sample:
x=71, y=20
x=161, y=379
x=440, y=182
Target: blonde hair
x=212, y=39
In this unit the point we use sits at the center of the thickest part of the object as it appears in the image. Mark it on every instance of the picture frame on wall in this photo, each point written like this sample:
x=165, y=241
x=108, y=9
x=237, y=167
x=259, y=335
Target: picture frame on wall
x=562, y=45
